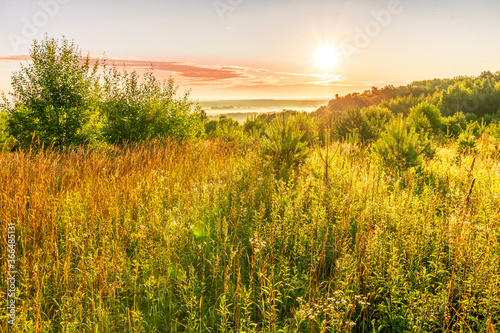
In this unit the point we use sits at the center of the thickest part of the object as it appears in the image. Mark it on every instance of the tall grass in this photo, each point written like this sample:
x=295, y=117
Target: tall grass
x=168, y=237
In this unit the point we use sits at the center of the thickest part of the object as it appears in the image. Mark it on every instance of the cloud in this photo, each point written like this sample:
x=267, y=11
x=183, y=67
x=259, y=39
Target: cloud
x=14, y=58
x=215, y=76
x=185, y=69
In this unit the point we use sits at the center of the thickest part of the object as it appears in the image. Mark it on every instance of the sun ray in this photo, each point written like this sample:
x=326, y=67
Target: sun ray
x=326, y=57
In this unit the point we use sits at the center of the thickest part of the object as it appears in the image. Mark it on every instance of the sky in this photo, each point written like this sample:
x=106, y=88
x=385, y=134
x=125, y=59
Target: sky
x=286, y=49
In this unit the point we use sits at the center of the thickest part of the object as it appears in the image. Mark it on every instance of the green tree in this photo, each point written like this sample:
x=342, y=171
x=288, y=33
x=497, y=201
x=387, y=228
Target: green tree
x=137, y=109
x=456, y=98
x=54, y=96
x=6, y=140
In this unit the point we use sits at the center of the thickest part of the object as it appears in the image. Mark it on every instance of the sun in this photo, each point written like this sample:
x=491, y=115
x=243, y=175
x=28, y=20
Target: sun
x=326, y=57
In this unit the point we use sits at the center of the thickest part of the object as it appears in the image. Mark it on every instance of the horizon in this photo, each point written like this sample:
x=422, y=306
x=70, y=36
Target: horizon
x=243, y=50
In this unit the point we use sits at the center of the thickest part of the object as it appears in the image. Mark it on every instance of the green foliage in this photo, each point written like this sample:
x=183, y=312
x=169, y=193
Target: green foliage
x=367, y=123
x=224, y=128
x=456, y=98
x=54, y=96
x=478, y=96
x=493, y=129
x=6, y=141
x=283, y=144
x=489, y=118
x=197, y=237
x=345, y=122
x=476, y=128
x=454, y=125
x=466, y=142
x=136, y=110
x=425, y=117
x=307, y=124
x=374, y=119
x=254, y=125
x=400, y=147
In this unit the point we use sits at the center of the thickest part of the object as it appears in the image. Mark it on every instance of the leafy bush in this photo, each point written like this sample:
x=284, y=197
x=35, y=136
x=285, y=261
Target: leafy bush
x=136, y=110
x=400, y=147
x=54, y=95
x=426, y=117
x=367, y=123
x=224, y=128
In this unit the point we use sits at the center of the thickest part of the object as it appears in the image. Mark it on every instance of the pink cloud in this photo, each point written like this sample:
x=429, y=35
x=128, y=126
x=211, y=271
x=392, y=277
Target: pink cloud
x=186, y=70
x=14, y=58
x=215, y=76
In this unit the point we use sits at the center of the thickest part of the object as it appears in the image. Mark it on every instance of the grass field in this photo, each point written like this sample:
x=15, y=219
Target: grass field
x=168, y=237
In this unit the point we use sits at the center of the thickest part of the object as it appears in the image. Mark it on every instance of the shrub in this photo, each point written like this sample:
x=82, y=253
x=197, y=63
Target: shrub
x=374, y=120
x=348, y=121
x=426, y=117
x=136, y=110
x=307, y=124
x=282, y=144
x=400, y=147
x=476, y=128
x=454, y=125
x=224, y=128
x=254, y=126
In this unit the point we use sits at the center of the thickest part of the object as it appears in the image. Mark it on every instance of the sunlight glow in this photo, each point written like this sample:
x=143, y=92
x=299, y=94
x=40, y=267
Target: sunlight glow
x=327, y=57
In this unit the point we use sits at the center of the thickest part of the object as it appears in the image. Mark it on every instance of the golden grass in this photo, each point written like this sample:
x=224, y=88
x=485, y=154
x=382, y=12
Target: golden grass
x=169, y=237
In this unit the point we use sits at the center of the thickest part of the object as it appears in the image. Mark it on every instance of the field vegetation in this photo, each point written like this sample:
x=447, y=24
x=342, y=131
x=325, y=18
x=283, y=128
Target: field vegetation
x=379, y=212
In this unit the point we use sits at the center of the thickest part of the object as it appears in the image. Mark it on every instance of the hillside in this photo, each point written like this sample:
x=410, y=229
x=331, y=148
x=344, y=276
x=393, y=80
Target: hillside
x=479, y=95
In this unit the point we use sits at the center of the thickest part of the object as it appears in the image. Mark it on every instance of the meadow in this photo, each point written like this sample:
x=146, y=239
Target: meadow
x=124, y=208
x=204, y=237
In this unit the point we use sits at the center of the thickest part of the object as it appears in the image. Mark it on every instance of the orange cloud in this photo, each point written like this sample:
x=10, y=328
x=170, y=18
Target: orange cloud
x=216, y=76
